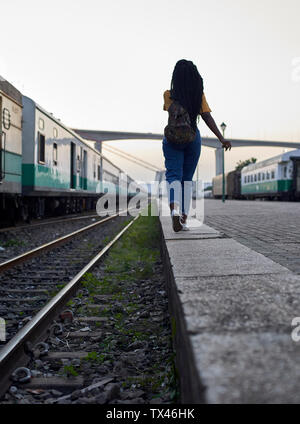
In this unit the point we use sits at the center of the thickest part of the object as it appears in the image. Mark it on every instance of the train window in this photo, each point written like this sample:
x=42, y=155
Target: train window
x=268, y=176
x=251, y=178
x=55, y=133
x=94, y=166
x=41, y=148
x=41, y=124
x=54, y=154
x=263, y=176
x=285, y=172
x=99, y=173
x=6, y=119
x=273, y=174
x=255, y=177
x=245, y=180
x=259, y=176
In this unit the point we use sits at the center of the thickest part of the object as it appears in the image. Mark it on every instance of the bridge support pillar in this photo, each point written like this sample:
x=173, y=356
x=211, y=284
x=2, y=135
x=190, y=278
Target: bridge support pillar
x=218, y=153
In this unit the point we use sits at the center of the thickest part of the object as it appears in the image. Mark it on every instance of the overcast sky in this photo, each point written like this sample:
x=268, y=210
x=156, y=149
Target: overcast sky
x=105, y=64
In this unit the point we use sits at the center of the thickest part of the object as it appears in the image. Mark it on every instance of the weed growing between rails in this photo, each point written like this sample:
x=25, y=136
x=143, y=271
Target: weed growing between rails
x=136, y=347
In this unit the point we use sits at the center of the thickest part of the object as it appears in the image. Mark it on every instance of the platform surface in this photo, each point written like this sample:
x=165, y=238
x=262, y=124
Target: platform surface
x=237, y=307
x=270, y=228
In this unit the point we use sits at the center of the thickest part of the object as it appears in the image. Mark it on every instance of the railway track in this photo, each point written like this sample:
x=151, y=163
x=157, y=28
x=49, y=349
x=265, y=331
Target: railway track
x=52, y=271
x=17, y=240
x=47, y=221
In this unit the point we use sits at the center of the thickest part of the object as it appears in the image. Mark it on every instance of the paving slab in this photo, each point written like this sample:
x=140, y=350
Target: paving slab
x=192, y=258
x=268, y=283
x=240, y=303
x=248, y=368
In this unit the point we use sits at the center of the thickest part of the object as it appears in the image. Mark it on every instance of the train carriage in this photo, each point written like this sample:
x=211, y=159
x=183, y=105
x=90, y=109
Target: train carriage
x=217, y=186
x=56, y=159
x=234, y=184
x=296, y=176
x=10, y=146
x=60, y=169
x=274, y=178
x=46, y=168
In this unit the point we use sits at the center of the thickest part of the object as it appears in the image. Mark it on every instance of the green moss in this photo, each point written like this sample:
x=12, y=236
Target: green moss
x=69, y=370
x=96, y=357
x=14, y=242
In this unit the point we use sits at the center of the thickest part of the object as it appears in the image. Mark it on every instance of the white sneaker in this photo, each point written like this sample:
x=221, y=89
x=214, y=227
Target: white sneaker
x=177, y=226
x=184, y=226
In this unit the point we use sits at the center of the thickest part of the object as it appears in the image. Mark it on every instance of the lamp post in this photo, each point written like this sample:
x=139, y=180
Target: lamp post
x=223, y=127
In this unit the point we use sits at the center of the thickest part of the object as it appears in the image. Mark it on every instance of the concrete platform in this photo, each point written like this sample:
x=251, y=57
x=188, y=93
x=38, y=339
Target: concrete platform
x=231, y=312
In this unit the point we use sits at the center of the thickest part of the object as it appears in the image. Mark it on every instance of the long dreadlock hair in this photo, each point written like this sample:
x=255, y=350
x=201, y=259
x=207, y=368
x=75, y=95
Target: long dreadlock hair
x=187, y=88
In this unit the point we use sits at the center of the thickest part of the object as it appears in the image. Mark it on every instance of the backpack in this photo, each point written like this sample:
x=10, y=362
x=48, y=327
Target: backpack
x=179, y=129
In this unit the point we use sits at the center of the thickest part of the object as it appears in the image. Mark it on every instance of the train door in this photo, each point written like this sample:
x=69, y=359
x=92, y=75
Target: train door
x=72, y=167
x=84, y=170
x=81, y=169
x=296, y=176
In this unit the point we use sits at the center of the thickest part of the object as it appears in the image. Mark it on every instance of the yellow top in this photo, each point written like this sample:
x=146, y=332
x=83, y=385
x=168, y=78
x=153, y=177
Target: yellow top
x=168, y=102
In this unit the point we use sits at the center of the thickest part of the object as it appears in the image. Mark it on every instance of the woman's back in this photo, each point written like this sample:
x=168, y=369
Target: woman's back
x=187, y=88
x=168, y=101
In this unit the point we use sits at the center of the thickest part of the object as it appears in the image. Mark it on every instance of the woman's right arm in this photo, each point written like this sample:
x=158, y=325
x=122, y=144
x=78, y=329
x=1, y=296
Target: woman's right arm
x=210, y=122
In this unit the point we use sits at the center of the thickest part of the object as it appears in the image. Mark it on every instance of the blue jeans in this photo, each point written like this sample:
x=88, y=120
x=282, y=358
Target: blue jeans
x=181, y=163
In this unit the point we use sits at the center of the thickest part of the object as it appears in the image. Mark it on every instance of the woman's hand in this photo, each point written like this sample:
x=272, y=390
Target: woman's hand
x=226, y=145
x=210, y=122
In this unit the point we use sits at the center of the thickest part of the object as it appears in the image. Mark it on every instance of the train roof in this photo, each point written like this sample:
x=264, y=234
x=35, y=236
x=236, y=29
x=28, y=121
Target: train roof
x=75, y=134
x=283, y=157
x=11, y=91
x=59, y=123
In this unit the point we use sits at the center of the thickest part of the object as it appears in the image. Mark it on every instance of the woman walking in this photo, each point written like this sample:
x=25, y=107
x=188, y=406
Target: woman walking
x=182, y=141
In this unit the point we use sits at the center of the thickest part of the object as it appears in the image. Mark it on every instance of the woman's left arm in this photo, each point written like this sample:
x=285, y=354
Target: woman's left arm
x=210, y=122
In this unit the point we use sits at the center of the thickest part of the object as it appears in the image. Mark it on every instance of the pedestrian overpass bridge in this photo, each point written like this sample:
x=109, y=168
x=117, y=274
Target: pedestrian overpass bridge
x=102, y=136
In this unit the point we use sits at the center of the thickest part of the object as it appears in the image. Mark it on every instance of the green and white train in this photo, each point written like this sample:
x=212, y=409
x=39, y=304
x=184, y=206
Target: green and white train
x=276, y=178
x=10, y=142
x=46, y=168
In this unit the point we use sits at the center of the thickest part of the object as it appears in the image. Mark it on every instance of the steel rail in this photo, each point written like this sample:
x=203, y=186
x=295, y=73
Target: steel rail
x=50, y=245
x=47, y=222
x=12, y=354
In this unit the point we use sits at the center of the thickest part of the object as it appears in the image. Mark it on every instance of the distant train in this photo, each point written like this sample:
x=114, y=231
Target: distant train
x=45, y=167
x=277, y=178
x=232, y=185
